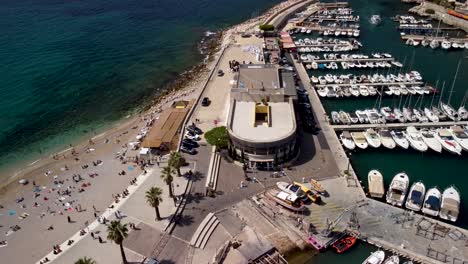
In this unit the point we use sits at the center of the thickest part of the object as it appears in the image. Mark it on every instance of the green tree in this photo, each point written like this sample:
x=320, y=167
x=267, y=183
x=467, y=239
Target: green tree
x=176, y=160
x=218, y=137
x=267, y=27
x=167, y=178
x=85, y=260
x=154, y=198
x=117, y=232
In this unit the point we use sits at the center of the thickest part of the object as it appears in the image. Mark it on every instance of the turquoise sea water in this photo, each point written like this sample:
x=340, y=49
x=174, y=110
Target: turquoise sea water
x=70, y=68
x=433, y=169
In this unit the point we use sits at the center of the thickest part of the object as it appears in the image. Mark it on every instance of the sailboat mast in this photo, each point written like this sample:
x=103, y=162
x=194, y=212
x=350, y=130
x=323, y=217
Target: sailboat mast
x=453, y=83
x=442, y=93
x=433, y=94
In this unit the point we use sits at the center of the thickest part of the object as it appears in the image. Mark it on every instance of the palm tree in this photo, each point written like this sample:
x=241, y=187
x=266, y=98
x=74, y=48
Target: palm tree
x=167, y=178
x=154, y=198
x=117, y=232
x=176, y=160
x=85, y=260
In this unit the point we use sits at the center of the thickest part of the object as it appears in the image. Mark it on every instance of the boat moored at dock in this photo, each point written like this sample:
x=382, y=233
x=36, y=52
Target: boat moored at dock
x=450, y=207
x=415, y=139
x=460, y=135
x=428, y=136
x=399, y=138
x=392, y=260
x=347, y=140
x=386, y=139
x=376, y=184
x=416, y=196
x=447, y=141
x=432, y=202
x=373, y=139
x=398, y=188
x=359, y=139
x=376, y=257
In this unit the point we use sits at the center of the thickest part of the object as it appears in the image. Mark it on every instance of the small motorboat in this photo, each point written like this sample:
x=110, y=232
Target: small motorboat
x=399, y=139
x=372, y=138
x=359, y=139
x=450, y=207
x=416, y=196
x=315, y=198
x=386, y=139
x=344, y=244
x=344, y=118
x=347, y=140
x=415, y=139
x=335, y=117
x=290, y=188
x=398, y=188
x=376, y=185
x=432, y=202
x=362, y=116
x=392, y=260
x=317, y=187
x=428, y=136
x=353, y=117
x=376, y=257
x=375, y=19
x=447, y=141
x=287, y=200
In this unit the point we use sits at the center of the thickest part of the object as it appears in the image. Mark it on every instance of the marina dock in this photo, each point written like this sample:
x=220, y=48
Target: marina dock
x=368, y=84
x=360, y=127
x=351, y=59
x=421, y=37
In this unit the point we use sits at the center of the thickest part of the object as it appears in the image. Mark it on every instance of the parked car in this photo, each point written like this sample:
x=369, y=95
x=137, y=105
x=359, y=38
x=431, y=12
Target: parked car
x=192, y=136
x=194, y=129
x=190, y=143
x=220, y=73
x=188, y=150
x=205, y=101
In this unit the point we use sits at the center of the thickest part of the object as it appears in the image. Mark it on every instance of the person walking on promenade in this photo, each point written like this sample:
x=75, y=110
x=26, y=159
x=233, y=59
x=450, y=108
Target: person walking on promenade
x=100, y=239
x=69, y=219
x=92, y=235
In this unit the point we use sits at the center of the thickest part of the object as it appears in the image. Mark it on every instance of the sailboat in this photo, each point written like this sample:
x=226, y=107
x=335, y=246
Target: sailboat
x=431, y=141
x=450, y=207
x=432, y=202
x=462, y=112
x=416, y=196
x=447, y=108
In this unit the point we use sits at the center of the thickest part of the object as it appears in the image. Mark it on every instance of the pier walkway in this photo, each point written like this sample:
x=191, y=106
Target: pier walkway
x=361, y=127
x=421, y=37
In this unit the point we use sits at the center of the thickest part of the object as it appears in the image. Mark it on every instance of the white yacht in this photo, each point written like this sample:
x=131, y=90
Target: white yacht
x=446, y=44
x=428, y=136
x=363, y=90
x=399, y=139
x=397, y=191
x=392, y=260
x=386, y=139
x=375, y=19
x=416, y=196
x=354, y=90
x=450, y=207
x=430, y=115
x=353, y=117
x=415, y=139
x=347, y=140
x=376, y=185
x=359, y=139
x=376, y=257
x=372, y=138
x=462, y=113
x=447, y=141
x=432, y=202
x=461, y=136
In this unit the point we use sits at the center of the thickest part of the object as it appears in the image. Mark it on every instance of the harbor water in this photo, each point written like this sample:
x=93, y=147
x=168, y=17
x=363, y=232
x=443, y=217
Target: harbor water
x=434, y=169
x=69, y=69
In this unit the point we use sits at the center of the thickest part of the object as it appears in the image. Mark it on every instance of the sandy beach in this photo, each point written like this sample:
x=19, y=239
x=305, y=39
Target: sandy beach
x=69, y=189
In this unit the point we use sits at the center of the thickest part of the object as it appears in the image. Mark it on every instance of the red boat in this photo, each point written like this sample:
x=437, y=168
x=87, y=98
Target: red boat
x=344, y=244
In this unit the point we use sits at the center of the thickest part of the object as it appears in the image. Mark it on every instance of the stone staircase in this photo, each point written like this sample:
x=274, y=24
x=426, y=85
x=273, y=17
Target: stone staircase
x=204, y=231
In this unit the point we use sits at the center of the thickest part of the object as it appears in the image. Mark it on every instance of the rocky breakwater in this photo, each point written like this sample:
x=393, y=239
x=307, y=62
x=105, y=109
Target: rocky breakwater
x=439, y=13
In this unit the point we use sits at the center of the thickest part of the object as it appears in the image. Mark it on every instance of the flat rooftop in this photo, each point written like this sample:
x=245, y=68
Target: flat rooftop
x=255, y=76
x=281, y=122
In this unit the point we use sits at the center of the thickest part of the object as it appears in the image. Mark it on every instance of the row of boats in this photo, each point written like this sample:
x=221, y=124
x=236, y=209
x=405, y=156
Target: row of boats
x=378, y=257
x=434, y=44
x=335, y=91
x=410, y=77
x=341, y=32
x=345, y=65
x=395, y=115
x=453, y=139
x=433, y=202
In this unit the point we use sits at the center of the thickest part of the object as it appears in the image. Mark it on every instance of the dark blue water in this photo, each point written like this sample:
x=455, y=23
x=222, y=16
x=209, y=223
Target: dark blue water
x=71, y=68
